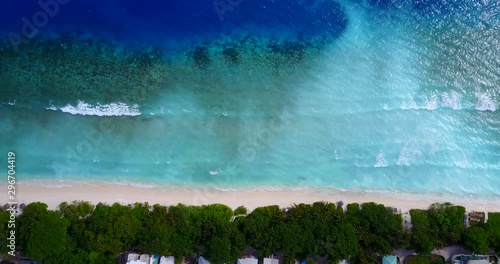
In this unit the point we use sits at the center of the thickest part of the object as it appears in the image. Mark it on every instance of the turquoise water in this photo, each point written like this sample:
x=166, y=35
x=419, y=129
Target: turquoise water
x=395, y=95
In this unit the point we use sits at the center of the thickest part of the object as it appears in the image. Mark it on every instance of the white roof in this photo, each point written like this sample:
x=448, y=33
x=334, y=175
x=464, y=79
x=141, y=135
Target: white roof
x=167, y=260
x=477, y=261
x=344, y=262
x=202, y=260
x=271, y=261
x=137, y=262
x=248, y=261
x=132, y=256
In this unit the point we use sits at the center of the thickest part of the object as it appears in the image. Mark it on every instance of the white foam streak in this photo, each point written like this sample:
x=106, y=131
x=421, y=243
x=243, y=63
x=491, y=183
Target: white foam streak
x=433, y=102
x=485, y=102
x=113, y=109
x=51, y=107
x=408, y=155
x=452, y=100
x=381, y=162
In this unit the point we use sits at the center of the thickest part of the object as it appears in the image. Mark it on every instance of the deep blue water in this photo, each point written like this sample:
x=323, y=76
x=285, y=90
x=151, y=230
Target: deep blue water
x=359, y=95
x=158, y=22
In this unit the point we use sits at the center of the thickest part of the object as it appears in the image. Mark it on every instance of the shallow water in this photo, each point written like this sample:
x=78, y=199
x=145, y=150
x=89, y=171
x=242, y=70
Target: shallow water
x=377, y=95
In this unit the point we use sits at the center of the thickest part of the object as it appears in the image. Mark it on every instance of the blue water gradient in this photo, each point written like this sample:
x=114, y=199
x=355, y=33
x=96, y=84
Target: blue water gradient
x=171, y=23
x=360, y=95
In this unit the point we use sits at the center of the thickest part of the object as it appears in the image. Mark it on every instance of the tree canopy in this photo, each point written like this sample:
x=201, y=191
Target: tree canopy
x=42, y=233
x=82, y=233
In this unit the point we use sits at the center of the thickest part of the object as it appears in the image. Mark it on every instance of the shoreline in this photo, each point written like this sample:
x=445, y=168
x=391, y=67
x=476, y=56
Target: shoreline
x=95, y=192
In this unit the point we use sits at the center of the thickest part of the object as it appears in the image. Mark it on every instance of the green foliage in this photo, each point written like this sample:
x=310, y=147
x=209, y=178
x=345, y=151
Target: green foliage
x=223, y=242
x=217, y=211
x=82, y=233
x=80, y=256
x=378, y=229
x=476, y=240
x=156, y=233
x=446, y=223
x=43, y=234
x=76, y=211
x=364, y=257
x=242, y=210
x=292, y=239
x=76, y=214
x=184, y=236
x=140, y=211
x=4, y=230
x=420, y=237
x=218, y=250
x=493, y=230
x=260, y=227
x=347, y=241
x=319, y=230
x=437, y=227
x=111, y=229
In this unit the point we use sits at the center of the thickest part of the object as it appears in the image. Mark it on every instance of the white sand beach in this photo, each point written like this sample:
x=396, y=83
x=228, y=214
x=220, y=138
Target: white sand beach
x=125, y=194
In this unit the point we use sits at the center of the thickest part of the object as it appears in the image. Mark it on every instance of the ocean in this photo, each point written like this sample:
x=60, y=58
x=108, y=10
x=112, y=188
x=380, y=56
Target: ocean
x=362, y=95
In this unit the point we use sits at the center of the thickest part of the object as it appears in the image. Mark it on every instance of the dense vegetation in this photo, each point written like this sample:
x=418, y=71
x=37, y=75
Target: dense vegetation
x=425, y=260
x=82, y=233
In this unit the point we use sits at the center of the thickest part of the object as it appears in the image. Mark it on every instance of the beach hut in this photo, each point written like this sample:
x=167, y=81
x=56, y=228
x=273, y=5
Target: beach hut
x=390, y=260
x=133, y=257
x=155, y=259
x=248, y=261
x=202, y=260
x=271, y=261
x=167, y=260
x=144, y=258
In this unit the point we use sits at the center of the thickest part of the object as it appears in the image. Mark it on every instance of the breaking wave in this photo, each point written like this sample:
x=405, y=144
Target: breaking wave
x=113, y=109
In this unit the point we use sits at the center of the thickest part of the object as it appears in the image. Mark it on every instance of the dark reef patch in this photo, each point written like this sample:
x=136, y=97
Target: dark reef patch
x=63, y=70
x=294, y=51
x=67, y=69
x=201, y=58
x=128, y=51
x=231, y=55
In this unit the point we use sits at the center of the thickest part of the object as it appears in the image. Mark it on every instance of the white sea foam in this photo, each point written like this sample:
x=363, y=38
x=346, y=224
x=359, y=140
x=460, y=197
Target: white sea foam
x=381, y=162
x=434, y=101
x=485, y=102
x=215, y=172
x=113, y=109
x=452, y=100
x=51, y=107
x=408, y=155
x=409, y=104
x=431, y=102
